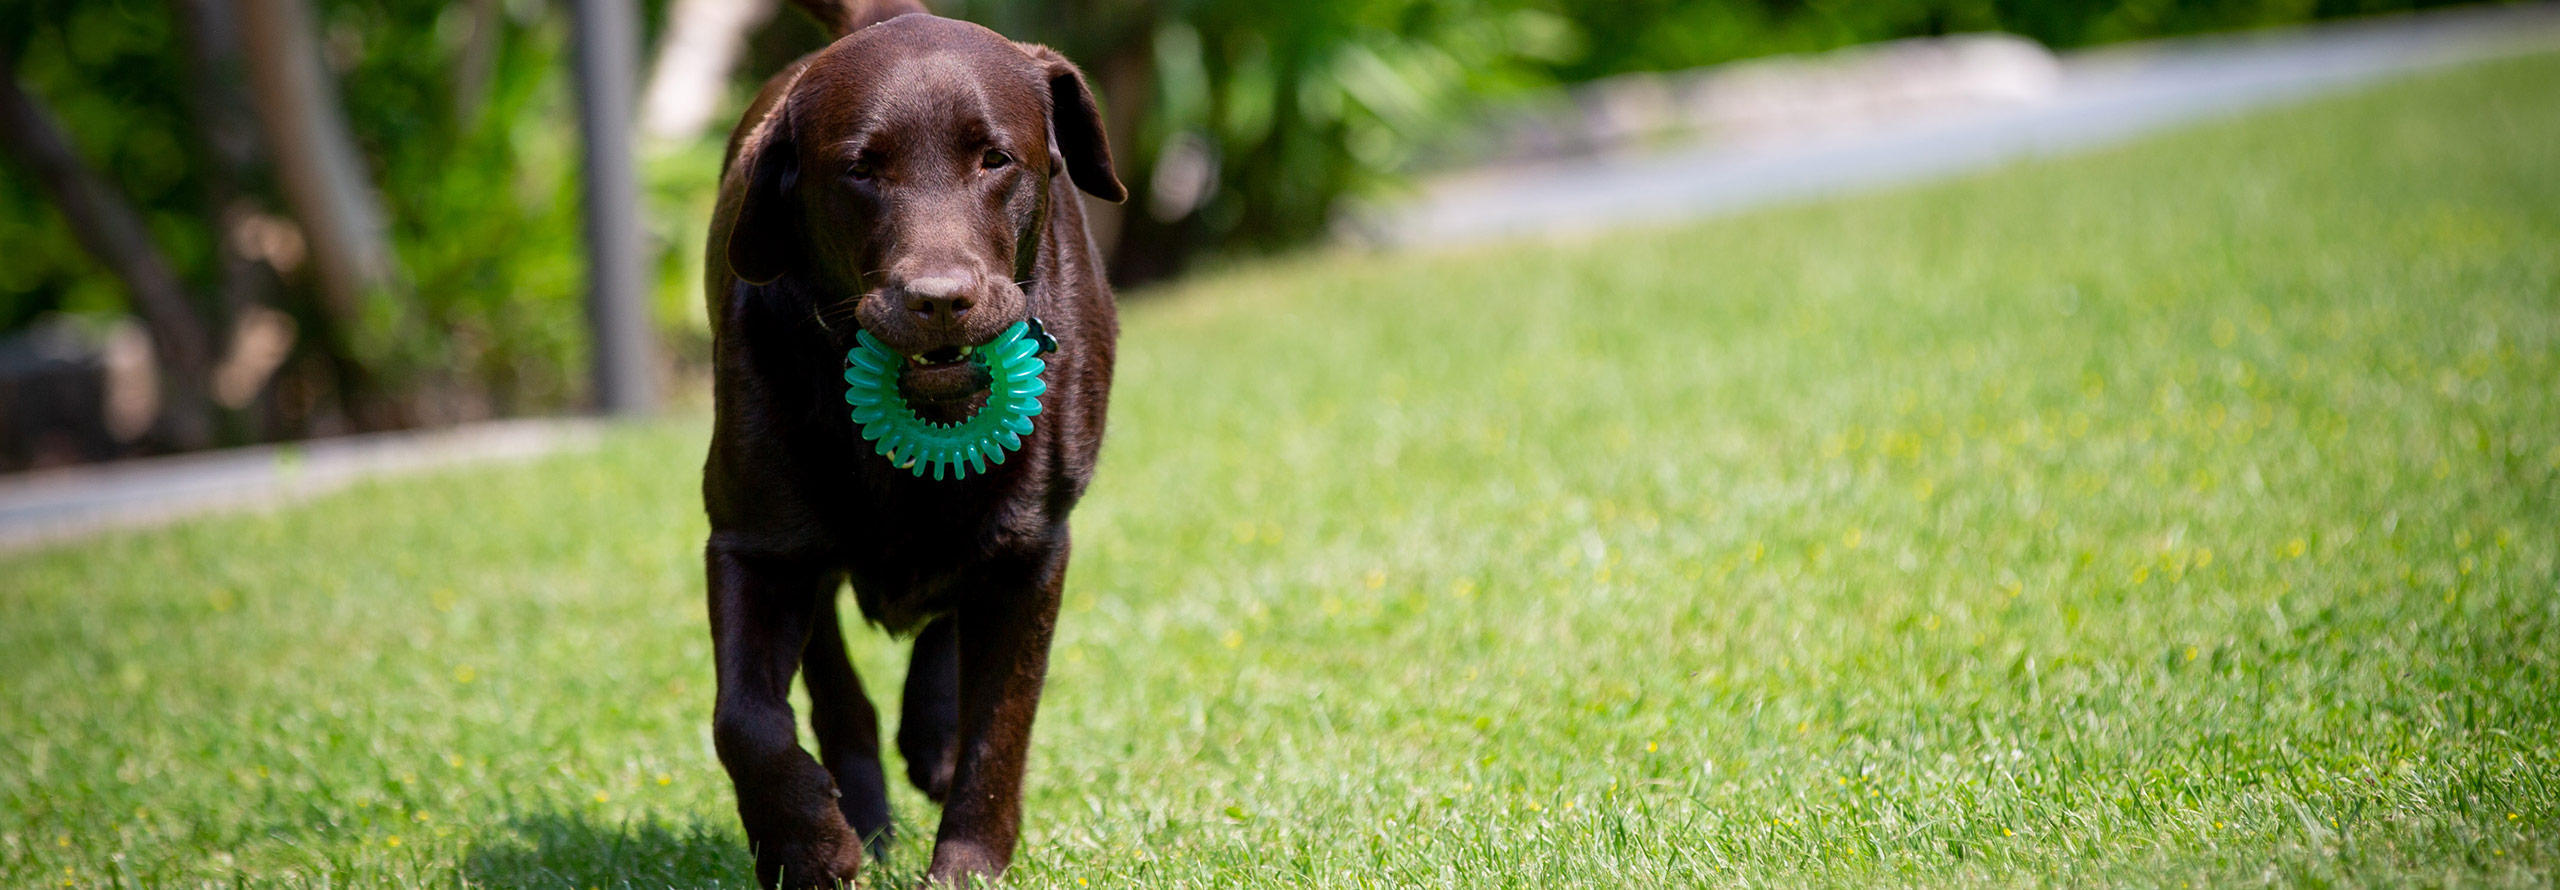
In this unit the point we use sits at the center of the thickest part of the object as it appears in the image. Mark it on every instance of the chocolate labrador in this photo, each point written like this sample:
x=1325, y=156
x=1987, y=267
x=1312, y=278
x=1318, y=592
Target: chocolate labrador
x=914, y=180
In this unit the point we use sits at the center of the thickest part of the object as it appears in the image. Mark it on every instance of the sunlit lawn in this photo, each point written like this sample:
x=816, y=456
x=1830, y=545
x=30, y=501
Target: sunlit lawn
x=2188, y=513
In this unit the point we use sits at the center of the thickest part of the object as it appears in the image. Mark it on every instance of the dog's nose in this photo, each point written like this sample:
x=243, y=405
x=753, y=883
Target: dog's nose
x=938, y=298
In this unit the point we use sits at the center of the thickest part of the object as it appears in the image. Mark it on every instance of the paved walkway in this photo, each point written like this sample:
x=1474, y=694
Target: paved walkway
x=2103, y=96
x=54, y=505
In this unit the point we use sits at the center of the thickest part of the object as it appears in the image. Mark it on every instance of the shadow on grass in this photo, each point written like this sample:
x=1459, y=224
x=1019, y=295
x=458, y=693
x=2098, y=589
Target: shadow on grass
x=577, y=852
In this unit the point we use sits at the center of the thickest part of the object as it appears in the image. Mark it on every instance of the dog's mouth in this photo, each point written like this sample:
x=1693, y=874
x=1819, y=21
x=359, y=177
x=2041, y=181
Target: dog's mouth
x=948, y=355
x=944, y=377
x=949, y=382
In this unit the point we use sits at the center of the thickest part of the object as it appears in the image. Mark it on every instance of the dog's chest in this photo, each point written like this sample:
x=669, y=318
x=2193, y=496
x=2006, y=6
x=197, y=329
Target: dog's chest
x=907, y=568
x=914, y=548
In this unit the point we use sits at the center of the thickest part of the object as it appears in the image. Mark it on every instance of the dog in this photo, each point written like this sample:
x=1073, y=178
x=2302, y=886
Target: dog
x=917, y=180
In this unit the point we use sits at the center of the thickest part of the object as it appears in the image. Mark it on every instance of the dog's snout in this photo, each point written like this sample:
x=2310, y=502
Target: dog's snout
x=938, y=297
x=920, y=307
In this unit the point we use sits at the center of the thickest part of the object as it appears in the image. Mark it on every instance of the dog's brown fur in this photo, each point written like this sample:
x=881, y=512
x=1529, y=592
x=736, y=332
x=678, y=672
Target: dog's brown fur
x=905, y=180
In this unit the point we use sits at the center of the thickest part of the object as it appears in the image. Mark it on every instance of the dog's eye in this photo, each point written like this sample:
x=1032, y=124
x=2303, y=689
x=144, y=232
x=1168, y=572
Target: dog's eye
x=995, y=158
x=861, y=171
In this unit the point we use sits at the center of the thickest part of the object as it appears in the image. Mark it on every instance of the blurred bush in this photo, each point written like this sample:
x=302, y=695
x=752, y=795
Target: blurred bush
x=1239, y=127
x=463, y=113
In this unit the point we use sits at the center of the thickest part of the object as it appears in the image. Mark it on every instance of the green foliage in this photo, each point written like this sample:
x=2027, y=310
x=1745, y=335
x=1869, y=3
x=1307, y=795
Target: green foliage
x=482, y=185
x=1291, y=106
x=2182, y=514
x=114, y=76
x=470, y=139
x=1301, y=104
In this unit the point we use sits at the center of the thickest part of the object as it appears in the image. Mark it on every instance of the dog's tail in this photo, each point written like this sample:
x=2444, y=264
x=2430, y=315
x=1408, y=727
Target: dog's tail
x=842, y=17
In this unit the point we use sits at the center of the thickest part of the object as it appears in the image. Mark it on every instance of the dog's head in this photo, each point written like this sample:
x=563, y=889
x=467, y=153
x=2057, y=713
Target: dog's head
x=906, y=174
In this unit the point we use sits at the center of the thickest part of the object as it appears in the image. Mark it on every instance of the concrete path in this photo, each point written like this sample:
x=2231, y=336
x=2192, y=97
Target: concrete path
x=2102, y=96
x=55, y=505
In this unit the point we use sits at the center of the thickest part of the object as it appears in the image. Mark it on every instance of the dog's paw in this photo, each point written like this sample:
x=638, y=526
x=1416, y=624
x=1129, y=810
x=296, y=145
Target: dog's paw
x=960, y=865
x=931, y=744
x=933, y=775
x=828, y=861
x=877, y=842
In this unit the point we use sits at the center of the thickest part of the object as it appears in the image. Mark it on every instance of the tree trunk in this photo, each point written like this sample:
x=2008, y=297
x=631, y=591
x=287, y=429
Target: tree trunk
x=324, y=182
x=113, y=232
x=617, y=309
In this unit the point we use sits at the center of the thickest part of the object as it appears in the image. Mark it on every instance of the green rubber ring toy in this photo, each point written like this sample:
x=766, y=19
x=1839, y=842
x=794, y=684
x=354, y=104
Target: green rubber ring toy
x=1013, y=366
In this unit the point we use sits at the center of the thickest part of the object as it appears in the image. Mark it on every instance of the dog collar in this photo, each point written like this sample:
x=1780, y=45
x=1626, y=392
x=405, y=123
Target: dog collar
x=912, y=443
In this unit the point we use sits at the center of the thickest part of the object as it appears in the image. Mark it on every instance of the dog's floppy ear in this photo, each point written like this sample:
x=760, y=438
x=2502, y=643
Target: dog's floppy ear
x=1076, y=124
x=761, y=242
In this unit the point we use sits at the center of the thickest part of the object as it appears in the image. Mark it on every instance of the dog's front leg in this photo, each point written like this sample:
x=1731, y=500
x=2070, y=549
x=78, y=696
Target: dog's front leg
x=1004, y=659
x=847, y=727
x=929, y=722
x=761, y=610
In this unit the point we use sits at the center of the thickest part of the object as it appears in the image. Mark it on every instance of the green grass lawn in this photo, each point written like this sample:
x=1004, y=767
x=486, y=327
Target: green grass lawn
x=2183, y=514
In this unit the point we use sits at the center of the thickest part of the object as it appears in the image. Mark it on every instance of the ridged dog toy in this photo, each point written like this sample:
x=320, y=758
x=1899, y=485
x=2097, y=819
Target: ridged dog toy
x=1013, y=366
